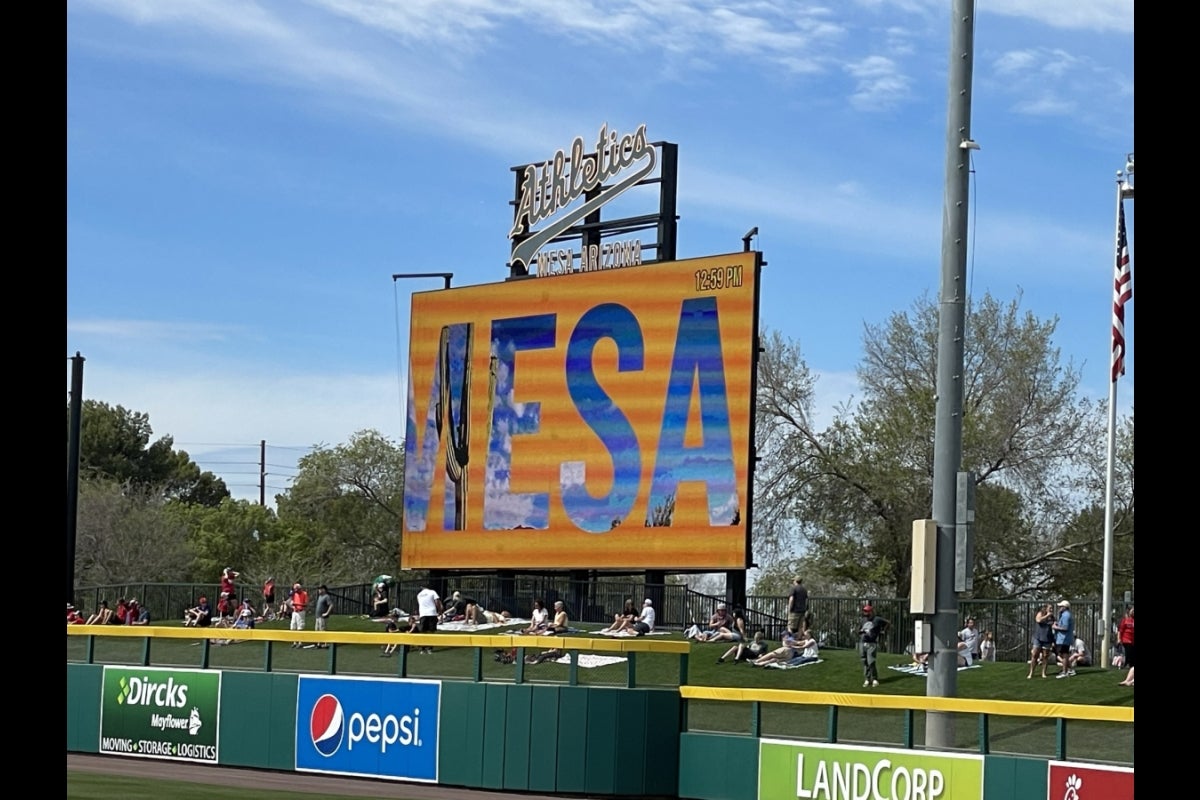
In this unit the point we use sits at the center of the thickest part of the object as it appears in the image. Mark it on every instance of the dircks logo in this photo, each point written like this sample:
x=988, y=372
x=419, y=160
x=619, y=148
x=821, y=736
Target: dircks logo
x=135, y=691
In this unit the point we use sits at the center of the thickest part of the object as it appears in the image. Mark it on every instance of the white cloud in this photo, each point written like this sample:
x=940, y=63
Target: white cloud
x=880, y=84
x=1098, y=16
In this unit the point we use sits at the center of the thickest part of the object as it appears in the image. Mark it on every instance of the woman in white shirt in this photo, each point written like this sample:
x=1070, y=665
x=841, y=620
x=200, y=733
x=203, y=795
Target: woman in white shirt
x=539, y=618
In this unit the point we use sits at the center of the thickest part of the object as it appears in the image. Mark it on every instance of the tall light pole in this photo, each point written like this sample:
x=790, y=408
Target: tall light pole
x=947, y=437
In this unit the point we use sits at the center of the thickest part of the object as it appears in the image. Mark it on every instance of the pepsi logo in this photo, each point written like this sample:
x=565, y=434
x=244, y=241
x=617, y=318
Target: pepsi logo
x=326, y=725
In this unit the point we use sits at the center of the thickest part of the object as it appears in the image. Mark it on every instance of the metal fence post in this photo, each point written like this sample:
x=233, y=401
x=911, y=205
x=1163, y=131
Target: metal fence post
x=146, y=651
x=831, y=733
x=631, y=671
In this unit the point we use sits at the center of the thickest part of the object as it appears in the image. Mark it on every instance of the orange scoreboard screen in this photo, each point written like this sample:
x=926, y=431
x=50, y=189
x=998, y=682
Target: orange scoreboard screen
x=590, y=420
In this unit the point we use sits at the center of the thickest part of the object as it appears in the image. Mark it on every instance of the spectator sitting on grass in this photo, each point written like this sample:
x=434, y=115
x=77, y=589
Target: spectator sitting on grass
x=645, y=623
x=786, y=651
x=200, y=616
x=622, y=620
x=560, y=623
x=74, y=617
x=137, y=614
x=393, y=626
x=733, y=631
x=102, y=616
x=743, y=651
x=540, y=618
x=379, y=601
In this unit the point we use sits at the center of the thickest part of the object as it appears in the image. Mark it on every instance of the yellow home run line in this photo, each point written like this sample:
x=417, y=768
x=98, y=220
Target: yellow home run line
x=961, y=705
x=507, y=641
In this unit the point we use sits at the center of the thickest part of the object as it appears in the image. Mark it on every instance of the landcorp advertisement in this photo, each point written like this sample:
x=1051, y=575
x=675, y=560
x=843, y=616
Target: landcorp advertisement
x=789, y=770
x=370, y=727
x=151, y=712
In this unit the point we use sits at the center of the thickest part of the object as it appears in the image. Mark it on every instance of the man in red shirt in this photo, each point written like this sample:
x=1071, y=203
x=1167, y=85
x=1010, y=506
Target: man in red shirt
x=227, y=576
x=299, y=603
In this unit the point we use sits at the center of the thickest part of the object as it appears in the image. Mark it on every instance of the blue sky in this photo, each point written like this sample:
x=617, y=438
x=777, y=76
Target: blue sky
x=244, y=178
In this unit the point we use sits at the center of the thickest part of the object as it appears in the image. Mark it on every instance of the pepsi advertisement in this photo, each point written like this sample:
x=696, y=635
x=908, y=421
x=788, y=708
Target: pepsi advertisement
x=368, y=727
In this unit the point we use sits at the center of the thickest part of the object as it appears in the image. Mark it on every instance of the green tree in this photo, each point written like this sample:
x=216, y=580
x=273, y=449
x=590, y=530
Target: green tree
x=846, y=495
x=231, y=534
x=341, y=518
x=115, y=445
x=126, y=535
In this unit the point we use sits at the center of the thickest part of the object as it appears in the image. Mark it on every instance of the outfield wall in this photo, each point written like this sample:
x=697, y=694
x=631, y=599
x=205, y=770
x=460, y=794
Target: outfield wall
x=568, y=739
x=602, y=741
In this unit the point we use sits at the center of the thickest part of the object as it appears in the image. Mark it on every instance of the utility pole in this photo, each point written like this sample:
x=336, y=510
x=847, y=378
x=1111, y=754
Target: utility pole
x=947, y=438
x=262, y=472
x=74, y=427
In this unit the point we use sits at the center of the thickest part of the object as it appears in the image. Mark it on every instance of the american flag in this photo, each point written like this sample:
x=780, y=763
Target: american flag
x=1122, y=291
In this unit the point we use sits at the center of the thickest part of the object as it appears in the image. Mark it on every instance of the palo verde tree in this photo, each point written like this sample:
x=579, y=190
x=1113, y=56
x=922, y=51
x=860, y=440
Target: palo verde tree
x=846, y=495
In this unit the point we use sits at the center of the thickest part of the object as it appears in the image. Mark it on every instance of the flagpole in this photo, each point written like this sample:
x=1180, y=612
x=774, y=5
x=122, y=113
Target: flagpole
x=1123, y=190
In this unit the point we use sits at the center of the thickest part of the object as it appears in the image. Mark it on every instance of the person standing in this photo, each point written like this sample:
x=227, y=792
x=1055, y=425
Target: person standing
x=324, y=609
x=299, y=605
x=798, y=618
x=1125, y=637
x=268, y=596
x=227, y=585
x=871, y=628
x=970, y=637
x=429, y=606
x=1043, y=639
x=1064, y=637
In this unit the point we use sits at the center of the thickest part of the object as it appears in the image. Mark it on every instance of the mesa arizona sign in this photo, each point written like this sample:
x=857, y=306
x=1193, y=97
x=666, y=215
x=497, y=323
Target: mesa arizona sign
x=551, y=186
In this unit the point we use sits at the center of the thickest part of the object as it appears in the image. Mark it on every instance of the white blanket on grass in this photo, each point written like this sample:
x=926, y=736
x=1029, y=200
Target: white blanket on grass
x=920, y=671
x=590, y=660
x=790, y=665
x=463, y=627
x=630, y=633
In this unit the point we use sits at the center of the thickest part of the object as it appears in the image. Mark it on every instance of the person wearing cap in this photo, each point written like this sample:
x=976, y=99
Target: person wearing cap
x=870, y=630
x=137, y=614
x=645, y=622
x=299, y=605
x=199, y=616
x=1064, y=637
x=429, y=607
x=73, y=615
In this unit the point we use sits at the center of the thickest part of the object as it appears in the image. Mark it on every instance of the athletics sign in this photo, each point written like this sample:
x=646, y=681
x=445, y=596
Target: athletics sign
x=604, y=423
x=596, y=174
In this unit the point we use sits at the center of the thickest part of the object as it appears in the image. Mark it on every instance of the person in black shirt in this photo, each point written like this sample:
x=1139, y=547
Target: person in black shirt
x=798, y=618
x=869, y=633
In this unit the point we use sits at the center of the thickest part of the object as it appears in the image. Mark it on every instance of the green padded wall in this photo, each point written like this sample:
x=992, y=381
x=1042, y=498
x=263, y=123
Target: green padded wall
x=543, y=738
x=84, y=684
x=258, y=720
x=718, y=767
x=1014, y=778
x=495, y=725
x=518, y=738
x=573, y=730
